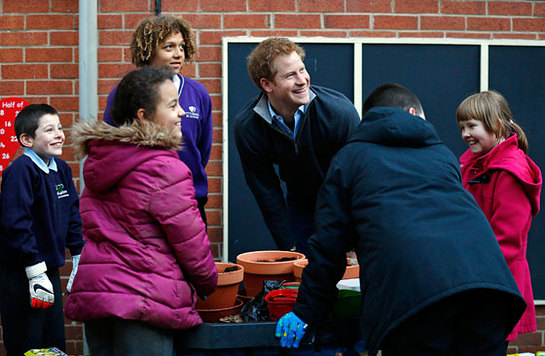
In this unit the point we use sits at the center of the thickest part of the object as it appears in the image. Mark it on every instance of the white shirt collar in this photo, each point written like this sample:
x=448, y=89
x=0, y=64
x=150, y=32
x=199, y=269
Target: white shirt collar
x=179, y=82
x=39, y=162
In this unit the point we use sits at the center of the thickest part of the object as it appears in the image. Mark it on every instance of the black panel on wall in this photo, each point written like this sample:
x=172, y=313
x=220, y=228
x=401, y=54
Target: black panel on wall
x=329, y=65
x=440, y=75
x=519, y=74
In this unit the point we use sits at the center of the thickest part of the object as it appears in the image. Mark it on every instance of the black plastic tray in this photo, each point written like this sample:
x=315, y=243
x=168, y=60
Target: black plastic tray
x=223, y=336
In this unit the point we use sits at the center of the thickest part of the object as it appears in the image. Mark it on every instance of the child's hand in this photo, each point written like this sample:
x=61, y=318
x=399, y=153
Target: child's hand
x=41, y=292
x=40, y=287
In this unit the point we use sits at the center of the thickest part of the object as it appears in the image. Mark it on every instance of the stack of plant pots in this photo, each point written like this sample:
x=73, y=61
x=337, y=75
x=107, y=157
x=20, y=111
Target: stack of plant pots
x=223, y=302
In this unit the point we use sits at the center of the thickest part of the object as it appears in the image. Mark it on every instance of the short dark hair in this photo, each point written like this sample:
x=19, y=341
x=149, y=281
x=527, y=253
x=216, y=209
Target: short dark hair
x=392, y=95
x=138, y=90
x=28, y=119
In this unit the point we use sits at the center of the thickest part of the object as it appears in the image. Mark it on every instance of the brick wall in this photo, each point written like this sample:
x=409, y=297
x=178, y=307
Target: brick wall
x=531, y=342
x=39, y=54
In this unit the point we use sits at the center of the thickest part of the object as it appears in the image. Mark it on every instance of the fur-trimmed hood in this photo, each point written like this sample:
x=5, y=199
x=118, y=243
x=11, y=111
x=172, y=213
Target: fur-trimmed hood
x=113, y=152
x=140, y=133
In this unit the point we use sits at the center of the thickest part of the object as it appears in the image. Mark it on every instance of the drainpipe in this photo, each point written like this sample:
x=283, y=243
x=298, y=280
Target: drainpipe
x=88, y=79
x=157, y=7
x=88, y=69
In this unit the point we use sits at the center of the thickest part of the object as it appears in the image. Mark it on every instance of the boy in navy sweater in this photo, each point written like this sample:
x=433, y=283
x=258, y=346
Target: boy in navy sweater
x=39, y=219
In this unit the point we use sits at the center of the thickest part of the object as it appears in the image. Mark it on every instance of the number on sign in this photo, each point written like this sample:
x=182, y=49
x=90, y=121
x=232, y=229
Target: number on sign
x=9, y=108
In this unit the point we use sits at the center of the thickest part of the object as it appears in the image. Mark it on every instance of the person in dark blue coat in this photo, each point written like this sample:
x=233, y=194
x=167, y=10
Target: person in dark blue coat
x=433, y=278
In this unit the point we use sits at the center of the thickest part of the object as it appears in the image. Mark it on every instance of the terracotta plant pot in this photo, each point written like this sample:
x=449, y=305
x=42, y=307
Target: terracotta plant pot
x=260, y=266
x=352, y=271
x=213, y=315
x=298, y=269
x=226, y=293
x=245, y=299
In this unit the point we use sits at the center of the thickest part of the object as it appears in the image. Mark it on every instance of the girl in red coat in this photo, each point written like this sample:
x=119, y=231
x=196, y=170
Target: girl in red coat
x=505, y=182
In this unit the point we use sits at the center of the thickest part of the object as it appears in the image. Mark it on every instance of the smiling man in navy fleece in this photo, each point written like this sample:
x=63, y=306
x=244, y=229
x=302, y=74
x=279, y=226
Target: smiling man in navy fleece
x=292, y=125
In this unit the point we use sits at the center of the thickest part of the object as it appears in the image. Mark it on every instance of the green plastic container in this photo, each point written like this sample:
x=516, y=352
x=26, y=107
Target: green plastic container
x=290, y=285
x=348, y=304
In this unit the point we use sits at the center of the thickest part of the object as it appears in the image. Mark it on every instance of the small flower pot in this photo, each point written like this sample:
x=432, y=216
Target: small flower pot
x=281, y=302
x=225, y=294
x=352, y=271
x=298, y=267
x=245, y=299
x=291, y=285
x=260, y=266
x=214, y=315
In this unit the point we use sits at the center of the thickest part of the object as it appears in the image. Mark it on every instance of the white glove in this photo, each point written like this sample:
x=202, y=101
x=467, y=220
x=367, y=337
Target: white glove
x=75, y=263
x=40, y=287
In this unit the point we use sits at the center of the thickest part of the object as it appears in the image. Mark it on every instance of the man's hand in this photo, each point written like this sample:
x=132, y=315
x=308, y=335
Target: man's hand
x=40, y=287
x=75, y=263
x=290, y=329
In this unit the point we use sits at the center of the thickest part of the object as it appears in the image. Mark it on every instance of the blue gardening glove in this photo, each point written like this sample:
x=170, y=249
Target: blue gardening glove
x=75, y=263
x=40, y=287
x=290, y=329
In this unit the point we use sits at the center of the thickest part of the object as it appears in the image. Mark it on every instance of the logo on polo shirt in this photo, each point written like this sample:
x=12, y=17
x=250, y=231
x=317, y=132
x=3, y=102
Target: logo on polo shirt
x=61, y=192
x=192, y=113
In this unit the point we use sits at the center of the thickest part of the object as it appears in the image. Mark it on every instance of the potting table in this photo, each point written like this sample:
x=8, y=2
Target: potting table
x=258, y=338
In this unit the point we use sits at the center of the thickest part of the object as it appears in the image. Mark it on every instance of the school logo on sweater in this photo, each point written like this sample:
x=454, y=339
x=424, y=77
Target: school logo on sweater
x=192, y=113
x=61, y=192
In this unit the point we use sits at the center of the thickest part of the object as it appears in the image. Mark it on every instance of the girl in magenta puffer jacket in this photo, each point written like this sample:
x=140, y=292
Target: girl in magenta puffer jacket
x=147, y=256
x=505, y=182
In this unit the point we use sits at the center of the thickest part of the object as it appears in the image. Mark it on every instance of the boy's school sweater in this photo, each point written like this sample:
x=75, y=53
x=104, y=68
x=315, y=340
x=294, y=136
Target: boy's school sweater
x=39, y=209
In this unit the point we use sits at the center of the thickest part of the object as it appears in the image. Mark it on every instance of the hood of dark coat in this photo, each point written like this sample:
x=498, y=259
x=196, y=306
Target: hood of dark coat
x=395, y=127
x=112, y=152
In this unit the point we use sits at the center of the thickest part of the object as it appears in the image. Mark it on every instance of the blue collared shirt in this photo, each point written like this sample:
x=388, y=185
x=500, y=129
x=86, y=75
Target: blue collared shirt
x=39, y=162
x=278, y=120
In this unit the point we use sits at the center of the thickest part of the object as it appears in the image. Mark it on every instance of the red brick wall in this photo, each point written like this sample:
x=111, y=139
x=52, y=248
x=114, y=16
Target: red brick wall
x=531, y=342
x=39, y=52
